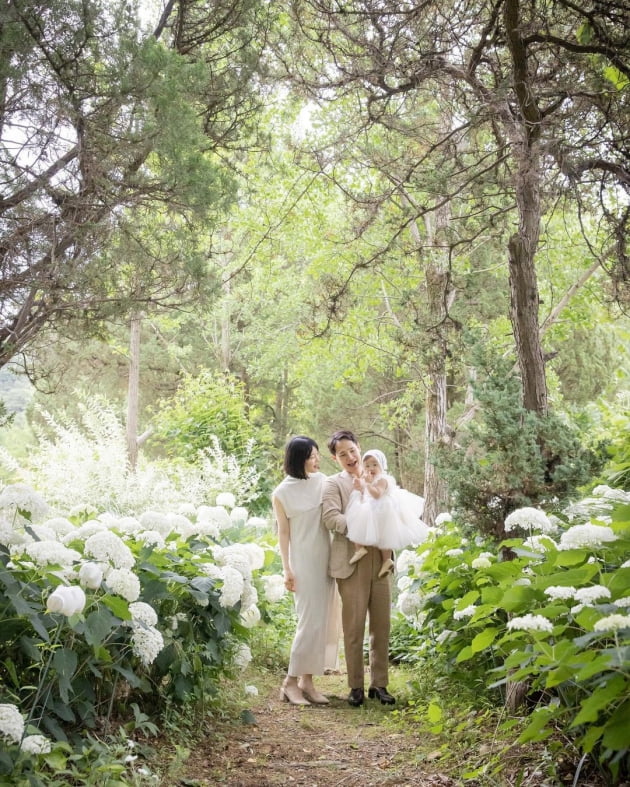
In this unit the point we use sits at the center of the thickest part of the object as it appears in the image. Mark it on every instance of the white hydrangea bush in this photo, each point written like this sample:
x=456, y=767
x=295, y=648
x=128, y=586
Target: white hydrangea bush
x=556, y=590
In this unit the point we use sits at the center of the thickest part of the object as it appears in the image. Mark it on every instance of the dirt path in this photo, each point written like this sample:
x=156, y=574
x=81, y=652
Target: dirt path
x=318, y=746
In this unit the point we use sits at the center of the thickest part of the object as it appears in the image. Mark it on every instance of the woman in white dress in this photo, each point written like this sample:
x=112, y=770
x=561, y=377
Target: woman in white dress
x=381, y=514
x=304, y=548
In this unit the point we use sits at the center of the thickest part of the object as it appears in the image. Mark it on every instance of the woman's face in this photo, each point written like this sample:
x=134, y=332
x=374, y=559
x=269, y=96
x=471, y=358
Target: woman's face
x=312, y=463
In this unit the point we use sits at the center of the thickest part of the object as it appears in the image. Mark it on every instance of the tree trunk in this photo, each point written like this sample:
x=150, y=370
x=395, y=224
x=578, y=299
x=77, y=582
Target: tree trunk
x=133, y=390
x=525, y=133
x=438, y=300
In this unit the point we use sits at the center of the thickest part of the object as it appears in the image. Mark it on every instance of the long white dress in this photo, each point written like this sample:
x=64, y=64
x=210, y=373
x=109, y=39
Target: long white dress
x=391, y=521
x=316, y=641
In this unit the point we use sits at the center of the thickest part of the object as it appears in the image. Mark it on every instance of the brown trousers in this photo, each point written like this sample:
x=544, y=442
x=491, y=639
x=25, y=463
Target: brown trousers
x=364, y=595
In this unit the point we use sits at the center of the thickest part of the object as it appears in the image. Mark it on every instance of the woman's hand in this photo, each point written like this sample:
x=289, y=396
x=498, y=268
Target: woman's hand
x=289, y=581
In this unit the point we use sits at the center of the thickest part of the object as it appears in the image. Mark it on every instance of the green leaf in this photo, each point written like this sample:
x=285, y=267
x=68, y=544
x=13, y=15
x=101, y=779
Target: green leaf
x=616, y=729
x=464, y=654
x=600, y=699
x=482, y=640
x=434, y=713
x=98, y=625
x=118, y=606
x=517, y=598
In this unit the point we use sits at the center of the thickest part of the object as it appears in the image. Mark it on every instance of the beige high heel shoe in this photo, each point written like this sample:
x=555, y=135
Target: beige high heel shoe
x=314, y=696
x=291, y=692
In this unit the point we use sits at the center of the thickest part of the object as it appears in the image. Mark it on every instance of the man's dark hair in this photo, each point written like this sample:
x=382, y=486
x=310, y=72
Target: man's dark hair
x=297, y=451
x=342, y=434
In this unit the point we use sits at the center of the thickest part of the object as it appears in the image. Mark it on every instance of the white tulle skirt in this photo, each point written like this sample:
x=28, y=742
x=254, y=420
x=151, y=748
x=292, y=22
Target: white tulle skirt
x=393, y=521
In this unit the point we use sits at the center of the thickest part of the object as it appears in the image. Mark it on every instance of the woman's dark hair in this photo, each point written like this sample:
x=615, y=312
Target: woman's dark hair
x=297, y=451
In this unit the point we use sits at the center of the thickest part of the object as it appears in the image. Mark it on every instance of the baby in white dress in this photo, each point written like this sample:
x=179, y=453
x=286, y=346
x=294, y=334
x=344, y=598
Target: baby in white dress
x=381, y=514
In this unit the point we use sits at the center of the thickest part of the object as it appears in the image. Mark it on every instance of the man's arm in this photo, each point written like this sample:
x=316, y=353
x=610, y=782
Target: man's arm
x=332, y=506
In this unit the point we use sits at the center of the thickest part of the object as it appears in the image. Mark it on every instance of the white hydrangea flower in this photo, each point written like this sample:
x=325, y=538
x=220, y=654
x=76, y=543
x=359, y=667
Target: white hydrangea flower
x=143, y=613
x=529, y=518
x=443, y=518
x=152, y=538
x=622, y=602
x=23, y=497
x=613, y=622
x=128, y=525
x=258, y=522
x=408, y=558
x=216, y=515
x=454, y=552
x=181, y=525
x=612, y=494
x=147, y=642
x=59, y=525
x=206, y=528
x=410, y=602
x=123, y=583
x=273, y=585
x=460, y=614
x=404, y=582
x=481, y=562
x=108, y=547
x=523, y=581
x=233, y=584
x=43, y=533
x=530, y=623
x=250, y=617
x=154, y=520
x=256, y=555
x=239, y=515
x=45, y=553
x=591, y=594
x=211, y=570
x=560, y=592
x=36, y=744
x=9, y=536
x=84, y=532
x=586, y=536
x=539, y=543
x=236, y=556
x=243, y=656
x=11, y=722
x=251, y=691
x=226, y=499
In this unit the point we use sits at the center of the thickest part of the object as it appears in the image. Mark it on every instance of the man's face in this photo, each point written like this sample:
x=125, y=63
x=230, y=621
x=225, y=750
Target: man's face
x=348, y=455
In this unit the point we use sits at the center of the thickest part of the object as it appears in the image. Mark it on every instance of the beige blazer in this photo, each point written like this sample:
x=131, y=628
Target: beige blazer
x=337, y=490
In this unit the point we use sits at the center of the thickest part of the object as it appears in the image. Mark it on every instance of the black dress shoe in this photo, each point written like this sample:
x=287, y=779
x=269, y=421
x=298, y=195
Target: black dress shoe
x=382, y=694
x=356, y=697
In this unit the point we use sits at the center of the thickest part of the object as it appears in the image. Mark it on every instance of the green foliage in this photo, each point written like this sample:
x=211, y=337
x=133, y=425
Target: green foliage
x=555, y=617
x=510, y=457
x=211, y=409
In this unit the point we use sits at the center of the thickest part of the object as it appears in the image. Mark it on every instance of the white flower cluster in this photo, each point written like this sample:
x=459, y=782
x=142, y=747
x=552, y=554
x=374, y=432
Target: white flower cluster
x=11, y=722
x=21, y=497
x=410, y=602
x=481, y=562
x=586, y=536
x=560, y=592
x=273, y=585
x=622, y=602
x=143, y=613
x=242, y=656
x=530, y=623
x=591, y=594
x=409, y=559
x=52, y=553
x=107, y=547
x=147, y=642
x=614, y=622
x=123, y=583
x=36, y=744
x=529, y=519
x=460, y=614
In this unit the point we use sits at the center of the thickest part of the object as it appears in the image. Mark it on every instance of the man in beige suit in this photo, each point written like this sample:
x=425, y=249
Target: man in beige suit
x=364, y=595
